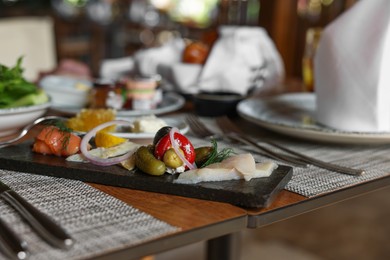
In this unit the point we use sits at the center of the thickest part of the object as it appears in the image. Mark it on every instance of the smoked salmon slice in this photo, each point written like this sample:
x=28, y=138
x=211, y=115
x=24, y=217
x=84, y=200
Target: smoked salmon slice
x=52, y=140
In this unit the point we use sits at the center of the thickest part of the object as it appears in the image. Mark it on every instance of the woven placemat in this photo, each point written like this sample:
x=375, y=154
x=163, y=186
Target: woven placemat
x=98, y=222
x=313, y=181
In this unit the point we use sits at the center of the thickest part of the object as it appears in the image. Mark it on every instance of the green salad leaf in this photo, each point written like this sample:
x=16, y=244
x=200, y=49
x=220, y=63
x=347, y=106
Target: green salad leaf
x=14, y=87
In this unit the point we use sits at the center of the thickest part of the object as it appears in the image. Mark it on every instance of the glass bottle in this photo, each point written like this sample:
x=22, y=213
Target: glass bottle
x=313, y=36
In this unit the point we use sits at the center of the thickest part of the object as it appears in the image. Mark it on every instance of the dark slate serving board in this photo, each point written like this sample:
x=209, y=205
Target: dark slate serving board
x=256, y=193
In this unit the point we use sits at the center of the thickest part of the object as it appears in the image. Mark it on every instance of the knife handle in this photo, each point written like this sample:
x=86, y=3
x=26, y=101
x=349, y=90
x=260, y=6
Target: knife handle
x=11, y=244
x=41, y=223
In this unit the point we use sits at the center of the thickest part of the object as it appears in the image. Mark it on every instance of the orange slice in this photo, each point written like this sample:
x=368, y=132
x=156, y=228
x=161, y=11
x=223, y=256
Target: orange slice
x=106, y=140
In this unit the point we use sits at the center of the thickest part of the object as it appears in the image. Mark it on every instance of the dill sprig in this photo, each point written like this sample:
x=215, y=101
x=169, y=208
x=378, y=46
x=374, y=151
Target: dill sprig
x=60, y=124
x=215, y=156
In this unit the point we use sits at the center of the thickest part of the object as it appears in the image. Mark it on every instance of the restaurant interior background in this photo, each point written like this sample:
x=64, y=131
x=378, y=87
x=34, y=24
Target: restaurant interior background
x=94, y=30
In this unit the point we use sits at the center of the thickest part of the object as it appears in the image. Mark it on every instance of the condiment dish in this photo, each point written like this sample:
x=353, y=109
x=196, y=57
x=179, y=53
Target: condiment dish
x=211, y=104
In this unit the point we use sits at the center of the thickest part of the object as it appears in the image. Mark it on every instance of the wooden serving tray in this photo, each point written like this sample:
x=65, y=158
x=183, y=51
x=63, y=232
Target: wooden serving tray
x=256, y=193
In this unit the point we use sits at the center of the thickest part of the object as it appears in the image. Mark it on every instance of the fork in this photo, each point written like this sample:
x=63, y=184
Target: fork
x=202, y=131
x=27, y=128
x=10, y=244
x=230, y=129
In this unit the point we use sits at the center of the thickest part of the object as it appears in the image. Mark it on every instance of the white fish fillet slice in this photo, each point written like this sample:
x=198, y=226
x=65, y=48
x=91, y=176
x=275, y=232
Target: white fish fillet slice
x=241, y=166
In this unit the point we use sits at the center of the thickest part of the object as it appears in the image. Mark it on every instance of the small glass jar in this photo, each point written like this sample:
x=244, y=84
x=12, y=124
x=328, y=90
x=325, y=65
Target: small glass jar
x=142, y=92
x=106, y=94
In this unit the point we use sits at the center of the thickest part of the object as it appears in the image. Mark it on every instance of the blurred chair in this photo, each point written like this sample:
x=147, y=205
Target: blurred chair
x=30, y=37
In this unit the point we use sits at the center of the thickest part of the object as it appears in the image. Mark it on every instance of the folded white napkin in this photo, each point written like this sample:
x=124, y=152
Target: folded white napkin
x=242, y=58
x=352, y=79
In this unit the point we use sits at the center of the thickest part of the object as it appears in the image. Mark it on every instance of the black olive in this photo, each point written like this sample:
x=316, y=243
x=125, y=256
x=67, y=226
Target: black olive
x=161, y=133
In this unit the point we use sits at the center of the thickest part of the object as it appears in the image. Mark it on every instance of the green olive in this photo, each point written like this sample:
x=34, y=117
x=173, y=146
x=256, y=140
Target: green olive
x=171, y=159
x=202, y=154
x=146, y=162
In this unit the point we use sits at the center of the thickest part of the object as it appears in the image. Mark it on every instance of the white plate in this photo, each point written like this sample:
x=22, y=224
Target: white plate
x=294, y=115
x=121, y=131
x=171, y=102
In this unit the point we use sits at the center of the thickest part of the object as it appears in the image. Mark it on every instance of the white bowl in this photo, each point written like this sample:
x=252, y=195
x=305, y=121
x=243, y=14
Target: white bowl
x=66, y=91
x=13, y=119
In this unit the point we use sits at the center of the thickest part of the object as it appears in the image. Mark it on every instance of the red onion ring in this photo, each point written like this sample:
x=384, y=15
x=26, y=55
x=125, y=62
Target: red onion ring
x=177, y=149
x=100, y=161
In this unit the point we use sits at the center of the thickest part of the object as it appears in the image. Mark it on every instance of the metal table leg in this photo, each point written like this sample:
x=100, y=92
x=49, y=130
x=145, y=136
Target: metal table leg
x=226, y=247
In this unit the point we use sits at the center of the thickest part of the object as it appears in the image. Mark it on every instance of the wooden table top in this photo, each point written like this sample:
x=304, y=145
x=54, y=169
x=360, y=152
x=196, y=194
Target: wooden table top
x=203, y=220
x=199, y=219
x=187, y=213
